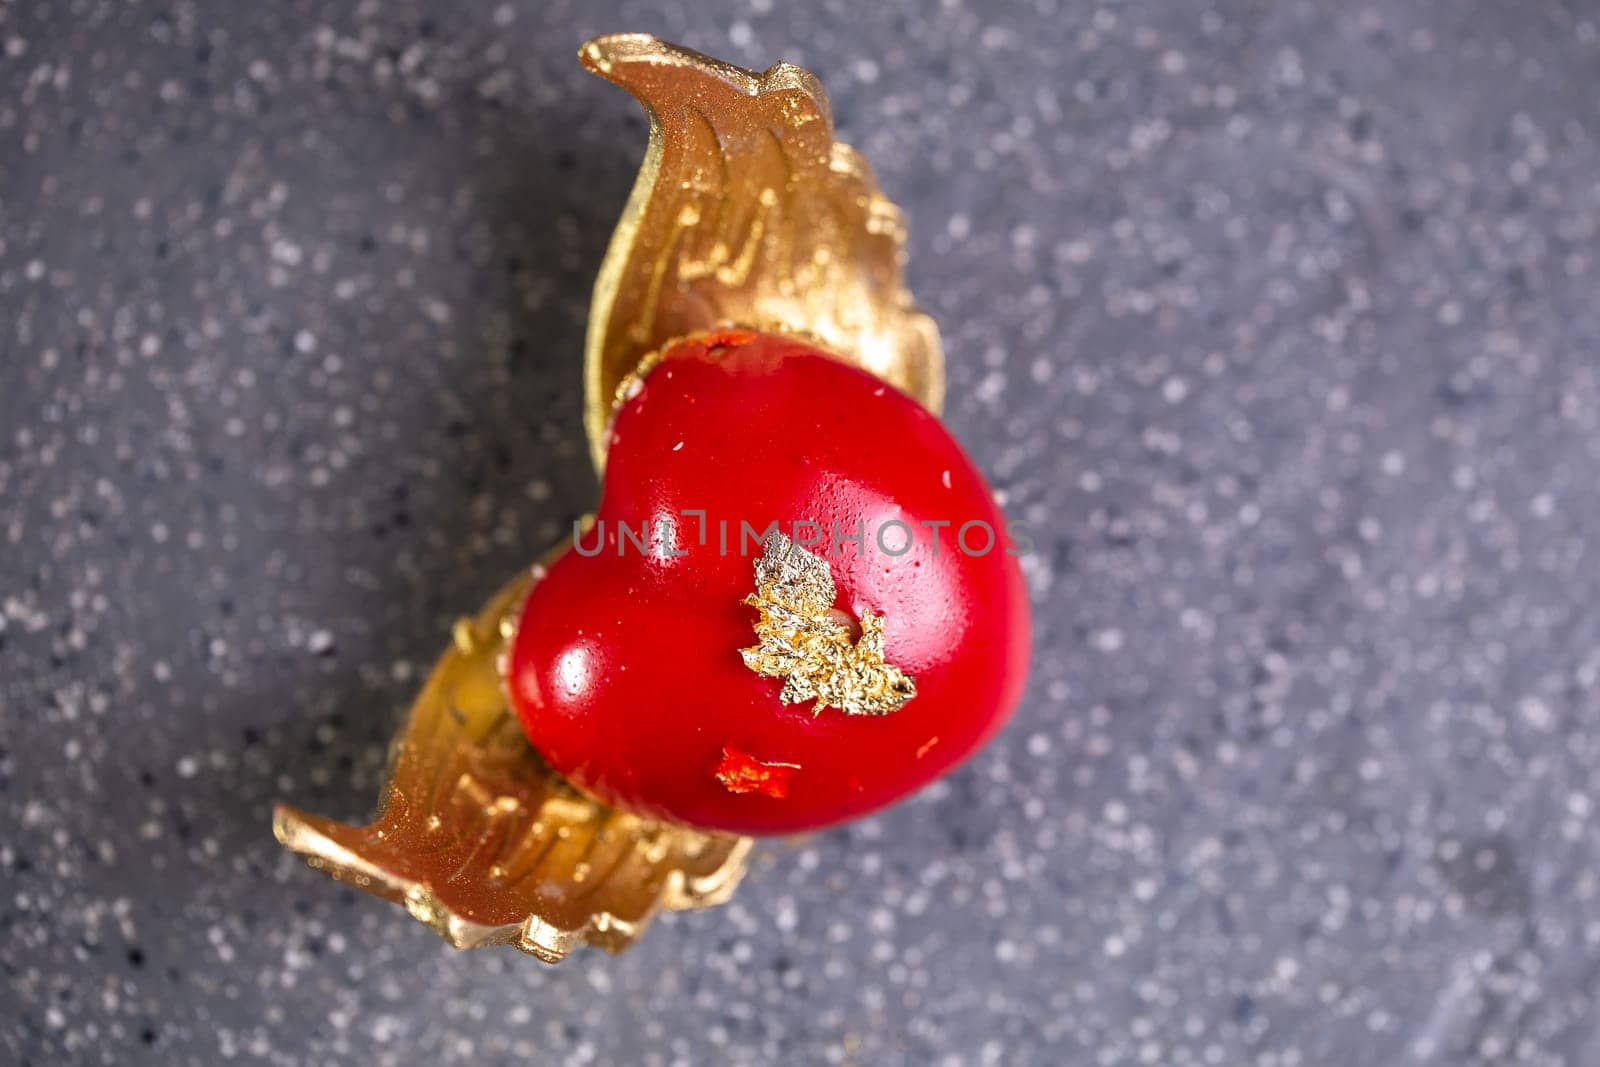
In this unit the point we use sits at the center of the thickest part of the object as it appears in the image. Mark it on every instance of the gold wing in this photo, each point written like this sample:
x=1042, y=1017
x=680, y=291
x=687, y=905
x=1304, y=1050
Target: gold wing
x=478, y=839
x=747, y=211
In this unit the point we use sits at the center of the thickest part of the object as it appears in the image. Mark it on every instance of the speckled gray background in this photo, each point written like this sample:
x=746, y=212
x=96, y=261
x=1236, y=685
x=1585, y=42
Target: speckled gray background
x=1281, y=319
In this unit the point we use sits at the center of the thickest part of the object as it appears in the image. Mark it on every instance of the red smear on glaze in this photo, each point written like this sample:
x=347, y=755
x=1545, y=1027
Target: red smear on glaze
x=740, y=772
x=719, y=341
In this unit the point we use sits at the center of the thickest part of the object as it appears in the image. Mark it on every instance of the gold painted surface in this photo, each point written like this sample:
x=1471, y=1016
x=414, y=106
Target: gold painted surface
x=802, y=641
x=747, y=211
x=481, y=841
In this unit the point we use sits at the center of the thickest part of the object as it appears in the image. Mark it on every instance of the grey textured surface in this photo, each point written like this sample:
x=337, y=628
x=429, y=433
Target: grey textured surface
x=1280, y=318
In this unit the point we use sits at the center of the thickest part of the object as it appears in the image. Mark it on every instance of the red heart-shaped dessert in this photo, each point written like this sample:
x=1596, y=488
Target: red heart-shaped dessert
x=680, y=660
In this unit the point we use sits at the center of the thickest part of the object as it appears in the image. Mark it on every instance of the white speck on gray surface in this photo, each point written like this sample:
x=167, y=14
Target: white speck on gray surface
x=1275, y=323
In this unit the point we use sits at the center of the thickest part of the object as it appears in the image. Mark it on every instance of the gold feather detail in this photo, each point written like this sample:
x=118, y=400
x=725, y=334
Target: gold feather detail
x=747, y=211
x=476, y=837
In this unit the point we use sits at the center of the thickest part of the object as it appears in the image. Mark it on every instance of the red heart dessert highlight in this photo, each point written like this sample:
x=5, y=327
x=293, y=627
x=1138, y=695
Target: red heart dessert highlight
x=798, y=601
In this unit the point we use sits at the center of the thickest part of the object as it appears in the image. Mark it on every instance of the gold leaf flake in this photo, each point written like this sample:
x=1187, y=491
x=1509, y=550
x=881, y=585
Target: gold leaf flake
x=806, y=643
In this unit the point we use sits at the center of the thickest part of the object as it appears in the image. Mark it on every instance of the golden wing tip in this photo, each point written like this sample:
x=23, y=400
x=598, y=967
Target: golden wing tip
x=621, y=57
x=611, y=55
x=293, y=828
x=600, y=53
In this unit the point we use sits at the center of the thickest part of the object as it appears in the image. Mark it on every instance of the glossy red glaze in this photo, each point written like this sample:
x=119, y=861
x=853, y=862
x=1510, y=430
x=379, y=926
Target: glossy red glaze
x=625, y=669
